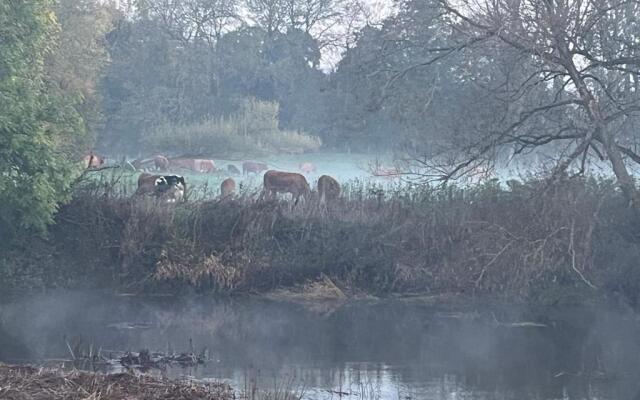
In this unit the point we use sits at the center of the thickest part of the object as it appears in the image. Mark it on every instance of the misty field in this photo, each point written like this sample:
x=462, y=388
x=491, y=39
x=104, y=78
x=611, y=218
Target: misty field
x=342, y=166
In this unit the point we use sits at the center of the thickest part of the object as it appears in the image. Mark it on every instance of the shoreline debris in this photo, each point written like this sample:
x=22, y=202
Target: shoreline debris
x=27, y=382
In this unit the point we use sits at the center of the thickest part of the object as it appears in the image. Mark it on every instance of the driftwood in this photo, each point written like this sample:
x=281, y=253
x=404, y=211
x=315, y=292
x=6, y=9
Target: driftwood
x=145, y=360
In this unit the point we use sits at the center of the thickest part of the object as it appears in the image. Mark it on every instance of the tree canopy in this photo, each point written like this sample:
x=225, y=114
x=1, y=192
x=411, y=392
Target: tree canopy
x=38, y=123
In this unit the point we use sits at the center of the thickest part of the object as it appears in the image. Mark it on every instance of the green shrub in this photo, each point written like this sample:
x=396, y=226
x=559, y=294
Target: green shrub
x=252, y=130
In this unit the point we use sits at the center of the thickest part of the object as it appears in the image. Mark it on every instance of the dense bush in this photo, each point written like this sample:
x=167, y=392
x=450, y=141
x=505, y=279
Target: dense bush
x=252, y=130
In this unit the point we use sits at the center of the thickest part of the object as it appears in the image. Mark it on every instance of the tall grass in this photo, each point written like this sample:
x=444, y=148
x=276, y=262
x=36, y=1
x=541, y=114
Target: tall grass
x=252, y=130
x=529, y=241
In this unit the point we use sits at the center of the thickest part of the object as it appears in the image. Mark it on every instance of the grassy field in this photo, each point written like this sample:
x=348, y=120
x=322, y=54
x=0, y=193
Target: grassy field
x=344, y=167
x=347, y=168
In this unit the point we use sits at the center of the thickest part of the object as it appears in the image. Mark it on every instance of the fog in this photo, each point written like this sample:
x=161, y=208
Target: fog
x=390, y=349
x=407, y=199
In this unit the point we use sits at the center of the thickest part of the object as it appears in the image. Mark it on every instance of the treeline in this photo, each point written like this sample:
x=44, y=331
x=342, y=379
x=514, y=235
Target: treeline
x=332, y=72
x=322, y=69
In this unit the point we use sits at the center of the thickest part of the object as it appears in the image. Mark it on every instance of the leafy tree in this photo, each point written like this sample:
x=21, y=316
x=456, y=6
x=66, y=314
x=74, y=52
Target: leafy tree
x=77, y=64
x=378, y=93
x=35, y=123
x=281, y=67
x=140, y=85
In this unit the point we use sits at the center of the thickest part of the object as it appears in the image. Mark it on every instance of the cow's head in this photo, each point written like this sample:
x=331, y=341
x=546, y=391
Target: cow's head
x=174, y=180
x=171, y=187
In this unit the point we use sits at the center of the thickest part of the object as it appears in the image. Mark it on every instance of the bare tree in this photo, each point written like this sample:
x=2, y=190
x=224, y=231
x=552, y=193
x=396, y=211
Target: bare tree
x=192, y=20
x=268, y=14
x=332, y=23
x=578, y=87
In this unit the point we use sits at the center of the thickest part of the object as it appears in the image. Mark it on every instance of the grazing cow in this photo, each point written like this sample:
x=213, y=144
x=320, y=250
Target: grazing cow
x=233, y=169
x=184, y=163
x=206, y=166
x=146, y=179
x=328, y=188
x=285, y=182
x=172, y=189
x=168, y=187
x=253, y=167
x=307, y=168
x=161, y=163
x=194, y=164
x=227, y=188
x=147, y=183
x=93, y=161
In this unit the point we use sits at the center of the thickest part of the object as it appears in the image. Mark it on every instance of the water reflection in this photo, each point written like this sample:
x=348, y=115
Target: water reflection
x=382, y=350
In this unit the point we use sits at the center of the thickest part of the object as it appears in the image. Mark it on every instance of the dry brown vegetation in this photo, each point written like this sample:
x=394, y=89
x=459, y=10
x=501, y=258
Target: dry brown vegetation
x=529, y=241
x=29, y=383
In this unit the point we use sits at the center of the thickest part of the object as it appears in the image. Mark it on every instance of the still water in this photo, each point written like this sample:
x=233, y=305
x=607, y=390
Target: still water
x=359, y=350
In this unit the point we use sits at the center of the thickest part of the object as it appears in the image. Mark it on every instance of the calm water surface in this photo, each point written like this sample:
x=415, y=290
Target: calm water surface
x=363, y=350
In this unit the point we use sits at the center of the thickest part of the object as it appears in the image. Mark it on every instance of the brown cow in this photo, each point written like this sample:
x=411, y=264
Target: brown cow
x=285, y=182
x=146, y=183
x=253, y=167
x=161, y=163
x=328, y=188
x=307, y=168
x=194, y=164
x=183, y=163
x=227, y=188
x=206, y=166
x=93, y=161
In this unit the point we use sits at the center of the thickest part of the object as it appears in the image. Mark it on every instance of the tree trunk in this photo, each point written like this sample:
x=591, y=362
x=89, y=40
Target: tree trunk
x=625, y=180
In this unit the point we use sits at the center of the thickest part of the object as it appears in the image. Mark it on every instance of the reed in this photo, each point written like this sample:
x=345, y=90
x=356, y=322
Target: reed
x=527, y=241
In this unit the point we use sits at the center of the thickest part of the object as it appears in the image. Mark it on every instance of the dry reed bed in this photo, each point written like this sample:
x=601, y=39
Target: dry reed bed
x=518, y=242
x=29, y=383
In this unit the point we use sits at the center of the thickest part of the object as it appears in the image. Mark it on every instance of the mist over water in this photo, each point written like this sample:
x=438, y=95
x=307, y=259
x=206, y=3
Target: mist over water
x=385, y=350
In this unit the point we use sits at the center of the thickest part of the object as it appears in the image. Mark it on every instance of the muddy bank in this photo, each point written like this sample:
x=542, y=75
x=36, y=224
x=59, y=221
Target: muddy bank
x=26, y=382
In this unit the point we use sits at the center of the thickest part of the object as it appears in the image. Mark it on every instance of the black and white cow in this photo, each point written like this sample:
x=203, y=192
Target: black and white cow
x=170, y=188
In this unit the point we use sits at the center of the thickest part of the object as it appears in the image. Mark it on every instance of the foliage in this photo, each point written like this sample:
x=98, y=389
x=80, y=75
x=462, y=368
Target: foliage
x=253, y=130
x=36, y=121
x=164, y=73
x=76, y=65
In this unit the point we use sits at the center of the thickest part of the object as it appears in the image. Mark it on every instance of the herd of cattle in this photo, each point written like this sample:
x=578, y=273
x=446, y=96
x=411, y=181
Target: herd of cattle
x=172, y=188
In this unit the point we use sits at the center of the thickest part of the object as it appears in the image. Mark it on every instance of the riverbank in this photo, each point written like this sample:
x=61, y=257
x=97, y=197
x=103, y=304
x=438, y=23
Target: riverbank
x=27, y=382
x=530, y=242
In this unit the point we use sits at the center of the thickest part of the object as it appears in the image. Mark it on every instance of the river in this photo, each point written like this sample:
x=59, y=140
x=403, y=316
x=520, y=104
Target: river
x=361, y=350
